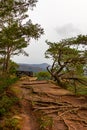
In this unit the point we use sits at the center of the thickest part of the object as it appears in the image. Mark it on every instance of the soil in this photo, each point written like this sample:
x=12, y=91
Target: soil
x=45, y=106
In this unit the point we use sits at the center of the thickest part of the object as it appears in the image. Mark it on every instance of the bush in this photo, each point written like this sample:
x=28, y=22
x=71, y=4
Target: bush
x=6, y=103
x=43, y=75
x=45, y=122
x=5, y=82
x=10, y=124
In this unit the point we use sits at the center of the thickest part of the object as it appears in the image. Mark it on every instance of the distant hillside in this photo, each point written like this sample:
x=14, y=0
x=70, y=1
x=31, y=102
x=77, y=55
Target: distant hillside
x=43, y=65
x=33, y=67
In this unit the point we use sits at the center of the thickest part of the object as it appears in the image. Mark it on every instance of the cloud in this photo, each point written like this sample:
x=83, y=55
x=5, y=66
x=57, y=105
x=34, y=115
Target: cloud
x=67, y=30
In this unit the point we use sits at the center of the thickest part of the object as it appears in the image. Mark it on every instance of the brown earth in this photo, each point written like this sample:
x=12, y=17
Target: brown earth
x=45, y=106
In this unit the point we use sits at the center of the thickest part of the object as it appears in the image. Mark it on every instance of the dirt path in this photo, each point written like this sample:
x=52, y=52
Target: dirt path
x=28, y=119
x=55, y=108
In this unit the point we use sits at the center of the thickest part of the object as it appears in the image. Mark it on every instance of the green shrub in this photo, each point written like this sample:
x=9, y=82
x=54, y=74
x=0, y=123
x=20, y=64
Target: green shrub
x=44, y=75
x=6, y=103
x=5, y=82
x=2, y=111
x=12, y=124
x=45, y=122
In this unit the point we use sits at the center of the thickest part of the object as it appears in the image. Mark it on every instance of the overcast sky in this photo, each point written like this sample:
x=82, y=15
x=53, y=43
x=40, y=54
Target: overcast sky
x=60, y=19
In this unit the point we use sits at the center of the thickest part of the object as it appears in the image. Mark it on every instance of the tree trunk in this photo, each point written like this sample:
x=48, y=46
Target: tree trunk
x=6, y=62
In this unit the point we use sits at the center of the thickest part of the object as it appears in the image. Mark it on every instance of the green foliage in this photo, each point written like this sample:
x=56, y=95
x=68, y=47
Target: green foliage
x=45, y=122
x=2, y=111
x=16, y=29
x=5, y=82
x=10, y=124
x=43, y=75
x=13, y=124
x=6, y=103
x=69, y=59
x=12, y=67
x=7, y=100
x=78, y=88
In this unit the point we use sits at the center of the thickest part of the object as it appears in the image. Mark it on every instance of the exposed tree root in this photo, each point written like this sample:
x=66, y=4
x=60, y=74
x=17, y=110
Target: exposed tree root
x=47, y=102
x=56, y=106
x=70, y=110
x=69, y=125
x=34, y=83
x=51, y=107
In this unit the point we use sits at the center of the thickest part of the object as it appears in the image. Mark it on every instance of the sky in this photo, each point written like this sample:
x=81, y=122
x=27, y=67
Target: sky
x=60, y=19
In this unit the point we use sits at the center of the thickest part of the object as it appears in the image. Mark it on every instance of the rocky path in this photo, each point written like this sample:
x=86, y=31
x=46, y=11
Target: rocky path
x=53, y=107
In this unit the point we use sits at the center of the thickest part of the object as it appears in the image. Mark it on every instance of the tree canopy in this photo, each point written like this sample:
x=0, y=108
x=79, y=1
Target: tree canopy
x=16, y=28
x=69, y=58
